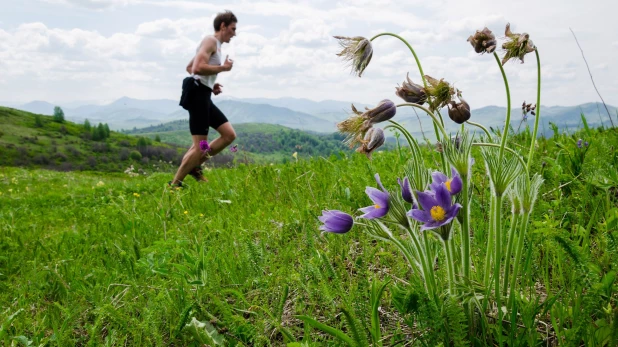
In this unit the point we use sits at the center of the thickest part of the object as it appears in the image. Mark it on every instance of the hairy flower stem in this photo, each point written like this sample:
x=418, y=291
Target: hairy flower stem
x=411, y=141
x=482, y=127
x=429, y=282
x=436, y=125
x=538, y=109
x=465, y=227
x=520, y=246
x=490, y=243
x=436, y=121
x=450, y=266
x=497, y=263
x=420, y=70
x=409, y=257
x=507, y=121
x=418, y=62
x=445, y=167
x=454, y=253
x=429, y=258
x=509, y=250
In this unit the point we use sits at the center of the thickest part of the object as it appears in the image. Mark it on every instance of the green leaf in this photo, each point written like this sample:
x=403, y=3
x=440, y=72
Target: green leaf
x=284, y=297
x=328, y=329
x=377, y=290
x=183, y=319
x=7, y=323
x=588, y=132
x=353, y=324
x=204, y=333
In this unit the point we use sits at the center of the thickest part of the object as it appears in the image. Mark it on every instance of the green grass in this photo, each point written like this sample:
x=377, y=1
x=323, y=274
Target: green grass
x=108, y=259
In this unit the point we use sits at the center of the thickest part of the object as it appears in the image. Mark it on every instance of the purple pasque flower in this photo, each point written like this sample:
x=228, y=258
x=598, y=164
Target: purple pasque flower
x=379, y=181
x=380, y=200
x=406, y=190
x=234, y=148
x=336, y=221
x=437, y=208
x=204, y=146
x=581, y=143
x=453, y=184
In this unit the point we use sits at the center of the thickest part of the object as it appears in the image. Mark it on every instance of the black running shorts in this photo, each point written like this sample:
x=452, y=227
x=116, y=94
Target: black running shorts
x=196, y=98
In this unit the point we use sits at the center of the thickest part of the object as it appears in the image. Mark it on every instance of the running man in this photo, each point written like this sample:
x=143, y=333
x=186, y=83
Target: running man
x=197, y=91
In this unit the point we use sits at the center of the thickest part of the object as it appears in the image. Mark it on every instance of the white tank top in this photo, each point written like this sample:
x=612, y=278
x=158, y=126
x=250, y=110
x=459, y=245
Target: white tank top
x=215, y=59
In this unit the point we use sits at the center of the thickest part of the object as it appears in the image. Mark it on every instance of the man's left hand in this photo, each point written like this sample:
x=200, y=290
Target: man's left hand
x=217, y=89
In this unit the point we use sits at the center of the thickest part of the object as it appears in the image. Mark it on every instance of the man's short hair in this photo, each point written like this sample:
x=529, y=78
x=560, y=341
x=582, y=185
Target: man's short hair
x=226, y=17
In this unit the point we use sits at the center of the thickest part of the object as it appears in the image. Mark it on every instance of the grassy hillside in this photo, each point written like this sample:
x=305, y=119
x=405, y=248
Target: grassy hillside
x=114, y=260
x=30, y=140
x=258, y=142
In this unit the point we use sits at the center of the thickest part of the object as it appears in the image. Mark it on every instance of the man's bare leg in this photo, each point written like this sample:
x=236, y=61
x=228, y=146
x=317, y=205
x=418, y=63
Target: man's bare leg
x=191, y=159
x=228, y=135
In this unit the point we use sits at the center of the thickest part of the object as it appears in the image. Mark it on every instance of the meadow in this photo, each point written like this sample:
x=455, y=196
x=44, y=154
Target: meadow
x=108, y=259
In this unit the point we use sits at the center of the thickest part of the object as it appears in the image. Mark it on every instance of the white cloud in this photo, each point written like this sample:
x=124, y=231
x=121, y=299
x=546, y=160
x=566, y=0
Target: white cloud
x=285, y=48
x=93, y=4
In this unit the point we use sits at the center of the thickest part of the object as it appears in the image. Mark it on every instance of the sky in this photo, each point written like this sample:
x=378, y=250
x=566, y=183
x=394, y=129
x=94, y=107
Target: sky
x=96, y=51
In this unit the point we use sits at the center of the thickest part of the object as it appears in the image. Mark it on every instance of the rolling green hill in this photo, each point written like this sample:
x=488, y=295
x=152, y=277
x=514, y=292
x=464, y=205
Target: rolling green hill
x=67, y=146
x=36, y=141
x=257, y=142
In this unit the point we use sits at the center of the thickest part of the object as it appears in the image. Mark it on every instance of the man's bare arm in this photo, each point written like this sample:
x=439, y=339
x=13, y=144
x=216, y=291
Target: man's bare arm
x=200, y=62
x=190, y=66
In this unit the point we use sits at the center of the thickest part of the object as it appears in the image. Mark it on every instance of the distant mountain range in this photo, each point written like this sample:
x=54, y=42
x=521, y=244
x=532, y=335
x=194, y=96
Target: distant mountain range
x=308, y=115
x=128, y=113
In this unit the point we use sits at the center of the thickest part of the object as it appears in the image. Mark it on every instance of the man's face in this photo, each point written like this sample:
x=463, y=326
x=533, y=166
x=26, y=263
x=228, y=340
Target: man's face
x=228, y=32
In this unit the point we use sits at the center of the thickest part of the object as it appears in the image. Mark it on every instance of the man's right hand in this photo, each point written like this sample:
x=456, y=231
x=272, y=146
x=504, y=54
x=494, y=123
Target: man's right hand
x=227, y=65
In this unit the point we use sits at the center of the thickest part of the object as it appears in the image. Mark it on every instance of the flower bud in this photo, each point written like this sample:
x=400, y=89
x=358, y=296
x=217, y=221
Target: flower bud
x=385, y=110
x=516, y=46
x=374, y=138
x=439, y=91
x=357, y=51
x=411, y=92
x=357, y=125
x=483, y=41
x=527, y=108
x=459, y=112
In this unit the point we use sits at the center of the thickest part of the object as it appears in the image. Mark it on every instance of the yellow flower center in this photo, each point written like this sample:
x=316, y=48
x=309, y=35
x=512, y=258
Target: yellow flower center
x=376, y=206
x=448, y=184
x=437, y=213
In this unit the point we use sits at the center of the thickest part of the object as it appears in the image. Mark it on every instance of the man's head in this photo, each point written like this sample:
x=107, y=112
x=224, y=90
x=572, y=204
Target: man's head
x=225, y=25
